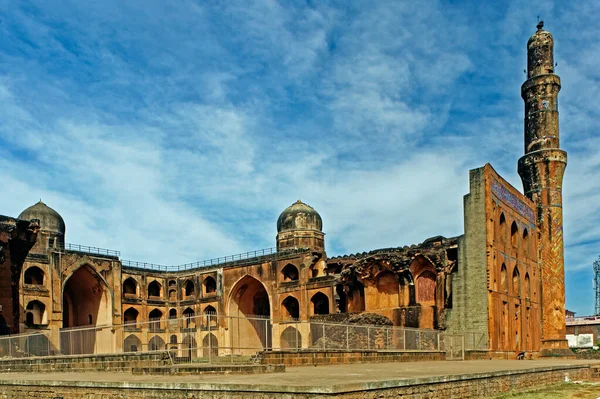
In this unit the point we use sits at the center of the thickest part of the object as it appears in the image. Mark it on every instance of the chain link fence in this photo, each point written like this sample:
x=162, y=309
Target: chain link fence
x=212, y=338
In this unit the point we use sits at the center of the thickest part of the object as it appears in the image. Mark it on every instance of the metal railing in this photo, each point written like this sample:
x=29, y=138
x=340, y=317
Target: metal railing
x=89, y=250
x=238, y=258
x=211, y=338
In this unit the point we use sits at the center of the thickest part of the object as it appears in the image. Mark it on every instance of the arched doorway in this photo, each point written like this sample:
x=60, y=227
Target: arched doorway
x=86, y=302
x=250, y=311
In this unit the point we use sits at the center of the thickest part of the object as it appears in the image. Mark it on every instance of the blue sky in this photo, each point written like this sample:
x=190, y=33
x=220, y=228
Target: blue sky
x=178, y=131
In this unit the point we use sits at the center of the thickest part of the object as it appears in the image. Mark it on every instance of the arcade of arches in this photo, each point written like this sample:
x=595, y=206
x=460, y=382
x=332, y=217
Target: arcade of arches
x=266, y=302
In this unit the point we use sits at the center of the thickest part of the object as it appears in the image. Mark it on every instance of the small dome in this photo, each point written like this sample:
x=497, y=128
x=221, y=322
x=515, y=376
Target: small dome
x=299, y=216
x=50, y=220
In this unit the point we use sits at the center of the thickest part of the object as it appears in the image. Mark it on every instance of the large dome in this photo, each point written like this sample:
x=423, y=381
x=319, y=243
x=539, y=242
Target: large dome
x=50, y=220
x=299, y=216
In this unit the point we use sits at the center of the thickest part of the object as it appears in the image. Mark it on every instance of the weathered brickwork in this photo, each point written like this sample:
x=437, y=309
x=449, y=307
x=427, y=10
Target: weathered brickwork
x=541, y=170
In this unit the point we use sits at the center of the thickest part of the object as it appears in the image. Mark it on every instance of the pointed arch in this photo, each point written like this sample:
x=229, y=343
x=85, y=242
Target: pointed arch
x=34, y=276
x=249, y=305
x=320, y=303
x=502, y=227
x=291, y=338
x=132, y=344
x=527, y=288
x=35, y=314
x=503, y=278
x=130, y=287
x=189, y=290
x=290, y=308
x=210, y=285
x=210, y=345
x=156, y=343
x=154, y=289
x=86, y=297
x=130, y=318
x=514, y=234
x=516, y=282
x=289, y=273
x=525, y=243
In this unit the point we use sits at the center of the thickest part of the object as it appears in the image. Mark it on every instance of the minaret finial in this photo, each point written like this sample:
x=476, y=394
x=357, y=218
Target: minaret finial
x=540, y=25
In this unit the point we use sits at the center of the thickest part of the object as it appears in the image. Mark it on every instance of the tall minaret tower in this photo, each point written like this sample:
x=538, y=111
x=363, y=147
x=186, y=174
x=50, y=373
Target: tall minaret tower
x=541, y=170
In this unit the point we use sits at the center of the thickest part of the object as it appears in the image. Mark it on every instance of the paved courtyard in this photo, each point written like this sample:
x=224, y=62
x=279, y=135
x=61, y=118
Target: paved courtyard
x=305, y=379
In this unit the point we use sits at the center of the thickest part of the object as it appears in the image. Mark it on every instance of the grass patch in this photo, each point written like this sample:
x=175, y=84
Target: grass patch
x=558, y=391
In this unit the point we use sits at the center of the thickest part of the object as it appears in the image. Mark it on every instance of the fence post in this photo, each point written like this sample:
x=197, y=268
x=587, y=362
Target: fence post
x=347, y=337
x=438, y=341
x=209, y=341
x=463, y=347
x=368, y=337
x=323, y=336
x=266, y=333
x=404, y=338
x=298, y=344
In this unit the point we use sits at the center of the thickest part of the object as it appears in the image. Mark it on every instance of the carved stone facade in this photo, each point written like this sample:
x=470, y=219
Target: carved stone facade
x=502, y=278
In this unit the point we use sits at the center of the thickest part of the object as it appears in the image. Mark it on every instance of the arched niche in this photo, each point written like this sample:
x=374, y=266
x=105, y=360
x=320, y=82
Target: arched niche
x=156, y=343
x=210, y=345
x=516, y=282
x=289, y=273
x=189, y=318
x=211, y=317
x=290, y=308
x=503, y=279
x=189, y=289
x=527, y=286
x=210, y=285
x=130, y=318
x=514, y=234
x=34, y=276
x=154, y=289
x=320, y=304
x=130, y=287
x=35, y=314
x=291, y=338
x=502, y=228
x=525, y=242
x=155, y=317
x=132, y=344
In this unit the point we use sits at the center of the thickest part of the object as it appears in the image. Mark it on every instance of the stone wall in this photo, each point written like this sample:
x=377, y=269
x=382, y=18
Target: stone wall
x=470, y=308
x=119, y=362
x=314, y=358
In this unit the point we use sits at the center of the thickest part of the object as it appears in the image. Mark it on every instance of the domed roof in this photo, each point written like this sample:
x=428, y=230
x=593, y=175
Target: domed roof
x=50, y=220
x=299, y=216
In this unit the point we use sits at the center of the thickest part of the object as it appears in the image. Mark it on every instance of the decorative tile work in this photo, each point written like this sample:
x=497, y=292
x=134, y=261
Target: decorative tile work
x=502, y=193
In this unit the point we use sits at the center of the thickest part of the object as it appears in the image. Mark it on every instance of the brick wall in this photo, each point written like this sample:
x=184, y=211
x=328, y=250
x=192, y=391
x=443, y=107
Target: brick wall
x=313, y=358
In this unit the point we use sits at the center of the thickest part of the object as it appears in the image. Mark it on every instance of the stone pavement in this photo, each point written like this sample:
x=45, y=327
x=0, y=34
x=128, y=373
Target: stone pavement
x=337, y=378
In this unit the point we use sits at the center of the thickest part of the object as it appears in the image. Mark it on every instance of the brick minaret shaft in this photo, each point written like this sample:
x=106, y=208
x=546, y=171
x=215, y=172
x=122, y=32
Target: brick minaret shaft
x=541, y=170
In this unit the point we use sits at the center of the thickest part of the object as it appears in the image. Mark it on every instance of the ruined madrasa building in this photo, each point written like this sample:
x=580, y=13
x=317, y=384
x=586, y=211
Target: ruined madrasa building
x=504, y=277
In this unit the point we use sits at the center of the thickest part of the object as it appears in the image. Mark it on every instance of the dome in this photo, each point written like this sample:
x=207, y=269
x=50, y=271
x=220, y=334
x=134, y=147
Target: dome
x=50, y=220
x=299, y=216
